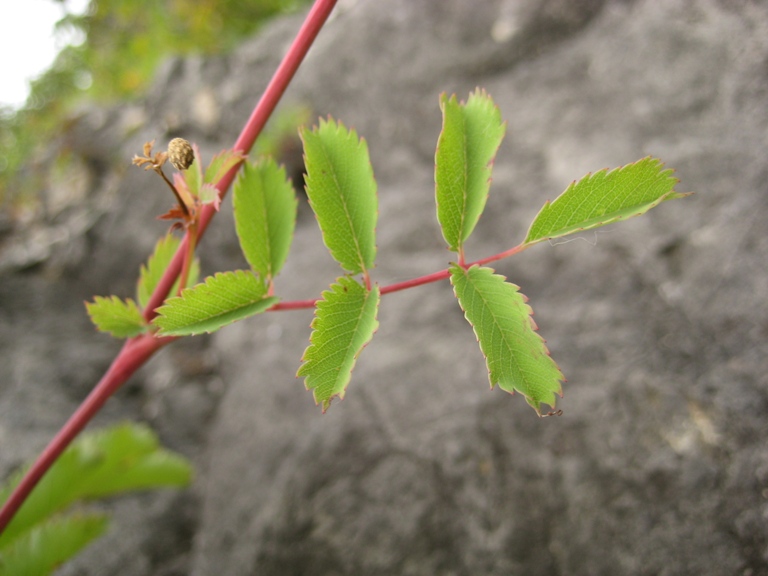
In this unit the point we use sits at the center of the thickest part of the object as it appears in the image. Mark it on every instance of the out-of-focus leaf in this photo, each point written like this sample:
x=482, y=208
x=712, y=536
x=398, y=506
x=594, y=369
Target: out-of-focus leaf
x=107, y=462
x=49, y=544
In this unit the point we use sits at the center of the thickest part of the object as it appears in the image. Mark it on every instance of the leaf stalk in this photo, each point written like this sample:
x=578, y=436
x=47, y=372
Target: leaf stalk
x=179, y=199
x=412, y=283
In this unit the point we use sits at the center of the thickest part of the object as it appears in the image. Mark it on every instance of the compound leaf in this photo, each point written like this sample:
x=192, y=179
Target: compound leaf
x=120, y=318
x=342, y=192
x=466, y=148
x=515, y=354
x=223, y=299
x=345, y=320
x=151, y=273
x=265, y=216
x=603, y=198
x=46, y=546
x=119, y=459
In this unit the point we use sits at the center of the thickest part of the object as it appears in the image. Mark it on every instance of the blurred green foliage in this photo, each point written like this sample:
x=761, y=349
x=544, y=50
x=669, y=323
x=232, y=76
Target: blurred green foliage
x=123, y=43
x=52, y=525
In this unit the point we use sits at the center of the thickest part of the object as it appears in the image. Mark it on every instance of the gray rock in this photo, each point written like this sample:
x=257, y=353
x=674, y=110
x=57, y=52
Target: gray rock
x=659, y=464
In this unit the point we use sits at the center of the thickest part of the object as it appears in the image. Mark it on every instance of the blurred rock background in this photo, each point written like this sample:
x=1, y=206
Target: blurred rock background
x=659, y=463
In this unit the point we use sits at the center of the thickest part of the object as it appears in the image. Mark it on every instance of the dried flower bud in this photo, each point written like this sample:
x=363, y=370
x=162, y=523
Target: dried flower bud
x=180, y=153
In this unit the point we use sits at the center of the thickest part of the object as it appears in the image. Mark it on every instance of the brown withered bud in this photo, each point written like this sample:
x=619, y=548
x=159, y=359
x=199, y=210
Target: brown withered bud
x=180, y=153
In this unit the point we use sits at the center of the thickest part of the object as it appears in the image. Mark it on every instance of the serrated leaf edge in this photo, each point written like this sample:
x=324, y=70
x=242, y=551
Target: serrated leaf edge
x=487, y=101
x=535, y=329
x=597, y=221
x=313, y=325
x=263, y=164
x=207, y=283
x=352, y=134
x=129, y=303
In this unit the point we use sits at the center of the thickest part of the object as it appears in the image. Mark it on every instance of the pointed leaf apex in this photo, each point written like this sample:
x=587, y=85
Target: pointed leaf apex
x=471, y=135
x=221, y=300
x=604, y=197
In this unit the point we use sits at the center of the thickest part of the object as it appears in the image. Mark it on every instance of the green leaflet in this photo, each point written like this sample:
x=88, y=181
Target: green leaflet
x=345, y=320
x=342, y=192
x=223, y=299
x=151, y=273
x=515, y=354
x=466, y=148
x=603, y=198
x=49, y=544
x=265, y=216
x=119, y=459
x=120, y=318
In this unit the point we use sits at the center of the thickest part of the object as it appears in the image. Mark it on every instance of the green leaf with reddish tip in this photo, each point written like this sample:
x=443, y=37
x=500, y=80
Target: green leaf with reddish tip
x=265, y=216
x=209, y=194
x=220, y=164
x=345, y=320
x=603, y=198
x=120, y=318
x=472, y=133
x=223, y=299
x=516, y=356
x=342, y=192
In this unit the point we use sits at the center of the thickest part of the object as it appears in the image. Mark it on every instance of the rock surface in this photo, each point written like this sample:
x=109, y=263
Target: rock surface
x=659, y=464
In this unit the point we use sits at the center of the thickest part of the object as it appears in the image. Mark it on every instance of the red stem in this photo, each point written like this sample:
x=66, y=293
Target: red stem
x=188, y=257
x=413, y=282
x=138, y=350
x=421, y=280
